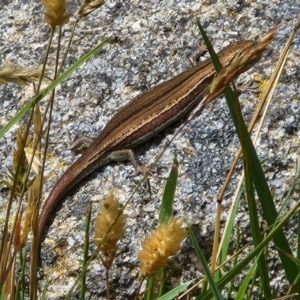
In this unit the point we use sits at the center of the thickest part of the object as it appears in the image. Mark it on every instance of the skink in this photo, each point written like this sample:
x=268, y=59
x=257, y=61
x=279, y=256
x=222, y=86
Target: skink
x=138, y=121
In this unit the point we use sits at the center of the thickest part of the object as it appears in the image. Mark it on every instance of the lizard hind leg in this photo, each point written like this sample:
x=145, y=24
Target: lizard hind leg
x=128, y=154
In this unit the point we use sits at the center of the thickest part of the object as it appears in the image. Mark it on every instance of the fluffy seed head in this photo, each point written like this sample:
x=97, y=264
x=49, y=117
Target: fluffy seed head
x=160, y=245
x=55, y=12
x=109, y=227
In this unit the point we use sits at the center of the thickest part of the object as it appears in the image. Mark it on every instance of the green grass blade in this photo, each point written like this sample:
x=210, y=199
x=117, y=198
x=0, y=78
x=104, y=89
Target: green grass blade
x=166, y=207
x=228, y=232
x=244, y=286
x=204, y=265
x=254, y=225
x=50, y=87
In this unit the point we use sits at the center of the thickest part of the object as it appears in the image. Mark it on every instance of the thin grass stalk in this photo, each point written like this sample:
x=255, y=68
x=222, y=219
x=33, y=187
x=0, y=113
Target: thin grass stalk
x=216, y=239
x=165, y=213
x=68, y=48
x=79, y=277
x=246, y=288
x=166, y=208
x=204, y=286
x=35, y=243
x=45, y=62
x=50, y=110
x=45, y=286
x=291, y=290
x=262, y=292
x=79, y=16
x=9, y=290
x=20, y=284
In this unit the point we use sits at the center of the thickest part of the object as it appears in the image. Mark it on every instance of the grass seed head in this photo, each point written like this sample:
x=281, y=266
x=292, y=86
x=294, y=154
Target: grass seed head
x=55, y=12
x=160, y=245
x=18, y=75
x=109, y=227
